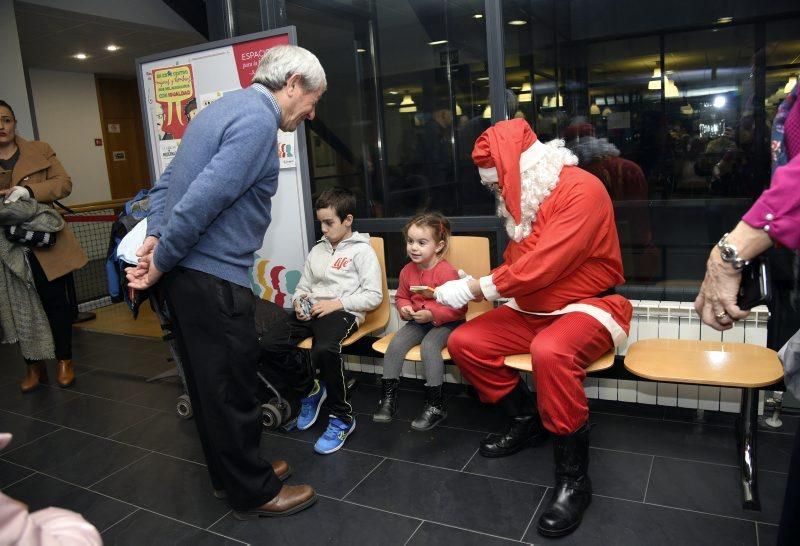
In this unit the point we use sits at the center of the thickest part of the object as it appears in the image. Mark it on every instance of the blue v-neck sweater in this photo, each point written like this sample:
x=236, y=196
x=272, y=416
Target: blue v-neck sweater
x=211, y=207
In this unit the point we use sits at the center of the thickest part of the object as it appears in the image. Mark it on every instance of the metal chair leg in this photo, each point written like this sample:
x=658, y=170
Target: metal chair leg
x=748, y=422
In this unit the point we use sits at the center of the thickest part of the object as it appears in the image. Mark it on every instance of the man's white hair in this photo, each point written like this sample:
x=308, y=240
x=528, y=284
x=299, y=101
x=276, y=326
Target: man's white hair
x=280, y=63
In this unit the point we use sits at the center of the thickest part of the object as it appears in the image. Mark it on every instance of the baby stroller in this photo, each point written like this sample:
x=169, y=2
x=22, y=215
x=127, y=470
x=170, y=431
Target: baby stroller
x=275, y=411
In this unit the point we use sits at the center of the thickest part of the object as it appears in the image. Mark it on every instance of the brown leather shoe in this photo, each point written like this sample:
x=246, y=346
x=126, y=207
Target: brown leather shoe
x=36, y=374
x=66, y=375
x=281, y=468
x=289, y=500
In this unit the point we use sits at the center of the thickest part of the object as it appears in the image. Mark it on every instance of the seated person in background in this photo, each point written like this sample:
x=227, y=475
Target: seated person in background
x=341, y=282
x=429, y=322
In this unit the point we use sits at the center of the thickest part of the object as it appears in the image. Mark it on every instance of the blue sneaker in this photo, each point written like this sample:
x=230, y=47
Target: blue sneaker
x=310, y=406
x=335, y=435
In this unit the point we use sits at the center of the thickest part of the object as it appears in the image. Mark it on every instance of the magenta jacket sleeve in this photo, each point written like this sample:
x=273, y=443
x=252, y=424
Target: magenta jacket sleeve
x=777, y=211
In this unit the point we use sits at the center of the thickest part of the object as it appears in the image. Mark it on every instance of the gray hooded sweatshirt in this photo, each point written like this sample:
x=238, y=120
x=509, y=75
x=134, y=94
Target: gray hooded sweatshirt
x=350, y=272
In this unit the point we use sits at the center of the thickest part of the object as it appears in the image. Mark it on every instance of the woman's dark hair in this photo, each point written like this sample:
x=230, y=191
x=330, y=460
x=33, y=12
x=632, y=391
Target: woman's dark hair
x=439, y=225
x=4, y=104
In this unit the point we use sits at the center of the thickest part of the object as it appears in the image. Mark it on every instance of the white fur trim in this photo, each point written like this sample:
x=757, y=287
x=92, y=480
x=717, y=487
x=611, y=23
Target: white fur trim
x=488, y=288
x=601, y=315
x=527, y=159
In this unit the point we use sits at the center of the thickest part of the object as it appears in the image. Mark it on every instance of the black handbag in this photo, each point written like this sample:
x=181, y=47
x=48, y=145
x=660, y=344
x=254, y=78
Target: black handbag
x=33, y=239
x=756, y=286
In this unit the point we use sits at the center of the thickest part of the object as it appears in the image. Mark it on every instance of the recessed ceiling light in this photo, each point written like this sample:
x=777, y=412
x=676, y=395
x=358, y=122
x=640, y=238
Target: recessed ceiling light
x=81, y=56
x=360, y=50
x=483, y=79
x=517, y=23
x=112, y=47
x=437, y=42
x=391, y=104
x=724, y=20
x=478, y=16
x=394, y=92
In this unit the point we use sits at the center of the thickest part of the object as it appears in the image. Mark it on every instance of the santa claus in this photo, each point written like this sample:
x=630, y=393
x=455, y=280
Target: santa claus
x=558, y=275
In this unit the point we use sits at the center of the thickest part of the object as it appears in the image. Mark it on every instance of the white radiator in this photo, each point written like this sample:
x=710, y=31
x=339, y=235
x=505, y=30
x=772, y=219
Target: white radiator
x=651, y=319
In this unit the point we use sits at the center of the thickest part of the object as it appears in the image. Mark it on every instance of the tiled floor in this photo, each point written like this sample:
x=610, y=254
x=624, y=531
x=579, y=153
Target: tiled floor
x=113, y=449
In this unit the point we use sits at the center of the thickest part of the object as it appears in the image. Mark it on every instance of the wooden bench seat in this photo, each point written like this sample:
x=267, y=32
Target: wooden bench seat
x=523, y=363
x=721, y=364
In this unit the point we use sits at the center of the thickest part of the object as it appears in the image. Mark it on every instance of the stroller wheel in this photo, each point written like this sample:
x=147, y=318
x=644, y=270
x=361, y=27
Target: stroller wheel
x=270, y=416
x=184, y=407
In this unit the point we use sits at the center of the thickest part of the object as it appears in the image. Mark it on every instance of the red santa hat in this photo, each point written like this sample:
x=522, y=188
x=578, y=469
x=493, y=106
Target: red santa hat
x=502, y=153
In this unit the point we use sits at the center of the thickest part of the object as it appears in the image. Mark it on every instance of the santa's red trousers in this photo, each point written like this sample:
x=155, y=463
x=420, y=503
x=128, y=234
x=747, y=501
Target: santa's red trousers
x=561, y=347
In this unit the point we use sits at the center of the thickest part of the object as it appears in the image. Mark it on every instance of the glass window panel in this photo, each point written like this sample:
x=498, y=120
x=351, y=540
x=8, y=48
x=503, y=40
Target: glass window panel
x=783, y=42
x=246, y=16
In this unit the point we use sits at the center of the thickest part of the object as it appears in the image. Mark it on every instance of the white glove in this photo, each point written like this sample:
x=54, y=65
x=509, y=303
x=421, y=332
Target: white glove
x=16, y=193
x=455, y=293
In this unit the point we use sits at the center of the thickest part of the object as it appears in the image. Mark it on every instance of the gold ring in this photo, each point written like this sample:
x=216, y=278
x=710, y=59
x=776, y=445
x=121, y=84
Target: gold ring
x=721, y=315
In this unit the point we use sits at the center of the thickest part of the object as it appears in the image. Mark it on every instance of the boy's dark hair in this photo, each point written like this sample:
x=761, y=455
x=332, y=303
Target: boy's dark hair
x=341, y=200
x=438, y=224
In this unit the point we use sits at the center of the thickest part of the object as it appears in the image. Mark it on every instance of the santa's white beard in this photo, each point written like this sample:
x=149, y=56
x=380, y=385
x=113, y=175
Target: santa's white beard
x=537, y=183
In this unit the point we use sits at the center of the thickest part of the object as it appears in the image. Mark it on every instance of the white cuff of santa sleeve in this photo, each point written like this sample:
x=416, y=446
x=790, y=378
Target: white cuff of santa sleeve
x=489, y=289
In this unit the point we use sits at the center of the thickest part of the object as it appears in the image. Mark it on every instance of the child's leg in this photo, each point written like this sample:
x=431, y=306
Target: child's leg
x=287, y=370
x=329, y=332
x=433, y=343
x=405, y=338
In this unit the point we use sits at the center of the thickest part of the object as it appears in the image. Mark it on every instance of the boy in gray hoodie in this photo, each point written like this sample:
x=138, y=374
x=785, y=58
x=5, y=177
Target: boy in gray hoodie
x=341, y=282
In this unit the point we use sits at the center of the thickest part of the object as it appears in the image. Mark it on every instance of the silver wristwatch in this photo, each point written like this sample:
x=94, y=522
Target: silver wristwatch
x=730, y=254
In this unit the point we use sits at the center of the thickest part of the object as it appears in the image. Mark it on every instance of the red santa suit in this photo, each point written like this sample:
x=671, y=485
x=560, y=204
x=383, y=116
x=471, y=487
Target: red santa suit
x=563, y=260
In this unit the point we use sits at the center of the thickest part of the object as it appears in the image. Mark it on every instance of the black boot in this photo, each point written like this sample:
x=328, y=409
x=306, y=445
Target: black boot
x=573, y=490
x=524, y=427
x=433, y=412
x=387, y=406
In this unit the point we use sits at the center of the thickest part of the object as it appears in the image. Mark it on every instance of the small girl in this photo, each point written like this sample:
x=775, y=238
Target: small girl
x=429, y=323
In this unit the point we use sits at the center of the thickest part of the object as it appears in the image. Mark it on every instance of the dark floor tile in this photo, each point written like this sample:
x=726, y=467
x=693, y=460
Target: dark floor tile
x=12, y=399
x=39, y=491
x=147, y=528
x=630, y=409
x=166, y=433
x=24, y=429
x=446, y=447
x=130, y=362
x=612, y=522
x=432, y=534
x=469, y=413
x=86, y=344
x=10, y=473
x=767, y=534
x=110, y=384
x=713, y=489
x=716, y=418
x=332, y=476
x=75, y=457
x=490, y=505
x=95, y=415
x=774, y=451
x=613, y=473
x=329, y=522
x=664, y=438
x=174, y=488
x=789, y=424
x=160, y=395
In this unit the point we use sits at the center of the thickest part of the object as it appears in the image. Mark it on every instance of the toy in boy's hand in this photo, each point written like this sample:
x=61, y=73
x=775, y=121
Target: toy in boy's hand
x=305, y=304
x=424, y=291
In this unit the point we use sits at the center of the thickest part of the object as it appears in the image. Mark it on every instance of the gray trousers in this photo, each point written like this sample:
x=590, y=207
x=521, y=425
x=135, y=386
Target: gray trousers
x=432, y=338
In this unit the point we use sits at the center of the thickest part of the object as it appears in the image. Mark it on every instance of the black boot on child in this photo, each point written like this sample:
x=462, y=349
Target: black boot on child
x=387, y=406
x=433, y=413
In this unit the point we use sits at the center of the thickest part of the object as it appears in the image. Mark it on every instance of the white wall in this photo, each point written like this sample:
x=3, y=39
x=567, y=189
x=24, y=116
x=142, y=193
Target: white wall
x=68, y=118
x=12, y=82
x=146, y=12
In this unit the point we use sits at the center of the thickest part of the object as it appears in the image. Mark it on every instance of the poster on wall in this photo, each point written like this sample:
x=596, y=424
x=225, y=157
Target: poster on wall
x=176, y=86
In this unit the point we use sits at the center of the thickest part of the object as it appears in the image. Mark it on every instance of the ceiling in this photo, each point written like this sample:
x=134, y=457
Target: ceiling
x=49, y=37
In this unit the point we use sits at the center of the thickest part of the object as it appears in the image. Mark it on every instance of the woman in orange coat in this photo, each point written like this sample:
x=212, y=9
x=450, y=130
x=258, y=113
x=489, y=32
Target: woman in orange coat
x=36, y=172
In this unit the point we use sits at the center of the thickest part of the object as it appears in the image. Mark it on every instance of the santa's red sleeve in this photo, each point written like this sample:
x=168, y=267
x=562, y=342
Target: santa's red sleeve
x=568, y=237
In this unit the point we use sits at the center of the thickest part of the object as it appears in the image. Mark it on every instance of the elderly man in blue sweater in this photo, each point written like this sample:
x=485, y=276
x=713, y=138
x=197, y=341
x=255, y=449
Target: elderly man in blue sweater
x=209, y=212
